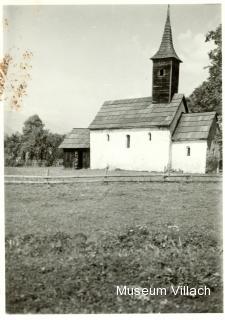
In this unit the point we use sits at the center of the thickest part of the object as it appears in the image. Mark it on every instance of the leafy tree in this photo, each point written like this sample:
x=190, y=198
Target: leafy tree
x=215, y=68
x=12, y=145
x=33, y=139
x=35, y=143
x=208, y=96
x=52, y=151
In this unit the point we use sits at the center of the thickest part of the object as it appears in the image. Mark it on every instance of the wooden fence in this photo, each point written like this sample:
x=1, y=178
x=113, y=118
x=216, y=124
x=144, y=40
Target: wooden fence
x=19, y=179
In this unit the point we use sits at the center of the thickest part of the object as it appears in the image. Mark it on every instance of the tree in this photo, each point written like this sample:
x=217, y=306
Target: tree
x=53, y=153
x=12, y=145
x=215, y=68
x=33, y=139
x=208, y=96
x=35, y=143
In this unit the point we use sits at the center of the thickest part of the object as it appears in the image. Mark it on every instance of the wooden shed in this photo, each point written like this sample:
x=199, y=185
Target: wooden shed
x=76, y=149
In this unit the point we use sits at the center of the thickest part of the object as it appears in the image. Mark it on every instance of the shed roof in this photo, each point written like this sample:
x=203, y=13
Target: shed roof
x=136, y=113
x=77, y=138
x=194, y=126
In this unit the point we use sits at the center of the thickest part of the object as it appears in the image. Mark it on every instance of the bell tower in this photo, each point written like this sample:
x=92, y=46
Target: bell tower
x=165, y=78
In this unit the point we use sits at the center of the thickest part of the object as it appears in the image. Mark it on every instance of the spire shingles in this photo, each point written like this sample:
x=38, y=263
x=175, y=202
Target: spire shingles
x=166, y=49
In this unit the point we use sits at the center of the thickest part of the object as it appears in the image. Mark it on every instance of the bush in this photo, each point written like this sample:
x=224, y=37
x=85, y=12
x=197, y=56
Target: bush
x=211, y=164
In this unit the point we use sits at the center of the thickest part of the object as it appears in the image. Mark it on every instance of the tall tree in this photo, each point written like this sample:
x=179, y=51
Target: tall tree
x=12, y=145
x=53, y=153
x=208, y=96
x=35, y=143
x=33, y=139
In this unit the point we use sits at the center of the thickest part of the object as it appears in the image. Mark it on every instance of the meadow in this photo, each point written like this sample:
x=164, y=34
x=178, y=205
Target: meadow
x=60, y=171
x=69, y=246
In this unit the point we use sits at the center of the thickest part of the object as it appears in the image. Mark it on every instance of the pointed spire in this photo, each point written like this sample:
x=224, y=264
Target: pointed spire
x=166, y=49
x=168, y=12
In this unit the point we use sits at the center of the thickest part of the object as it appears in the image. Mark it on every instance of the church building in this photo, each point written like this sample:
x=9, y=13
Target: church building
x=155, y=133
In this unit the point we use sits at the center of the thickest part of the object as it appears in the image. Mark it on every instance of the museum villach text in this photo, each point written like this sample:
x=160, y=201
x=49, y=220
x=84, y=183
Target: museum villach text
x=174, y=290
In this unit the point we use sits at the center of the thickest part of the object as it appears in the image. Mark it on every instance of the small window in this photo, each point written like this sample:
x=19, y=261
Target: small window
x=128, y=140
x=149, y=136
x=188, y=151
x=161, y=72
x=108, y=137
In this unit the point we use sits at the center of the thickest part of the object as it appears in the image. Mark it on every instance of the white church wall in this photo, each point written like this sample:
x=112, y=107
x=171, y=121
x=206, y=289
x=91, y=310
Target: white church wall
x=143, y=154
x=195, y=162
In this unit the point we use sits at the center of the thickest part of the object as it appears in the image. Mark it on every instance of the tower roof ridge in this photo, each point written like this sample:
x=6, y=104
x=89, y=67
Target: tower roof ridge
x=166, y=49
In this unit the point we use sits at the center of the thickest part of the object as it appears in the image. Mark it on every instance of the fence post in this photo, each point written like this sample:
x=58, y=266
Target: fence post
x=105, y=180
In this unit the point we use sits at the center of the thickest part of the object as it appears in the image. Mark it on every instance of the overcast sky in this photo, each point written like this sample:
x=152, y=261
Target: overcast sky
x=84, y=55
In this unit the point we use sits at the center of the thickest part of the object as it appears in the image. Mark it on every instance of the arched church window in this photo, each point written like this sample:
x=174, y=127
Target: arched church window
x=150, y=136
x=108, y=137
x=128, y=140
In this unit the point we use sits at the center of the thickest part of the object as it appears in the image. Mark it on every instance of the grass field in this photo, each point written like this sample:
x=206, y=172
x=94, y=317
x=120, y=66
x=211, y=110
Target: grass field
x=66, y=249
x=60, y=171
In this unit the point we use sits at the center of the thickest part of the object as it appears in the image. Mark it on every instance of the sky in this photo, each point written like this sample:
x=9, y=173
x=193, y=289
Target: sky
x=84, y=55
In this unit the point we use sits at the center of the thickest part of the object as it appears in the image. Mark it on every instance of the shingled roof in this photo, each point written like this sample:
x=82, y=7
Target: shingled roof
x=166, y=49
x=136, y=113
x=77, y=138
x=194, y=126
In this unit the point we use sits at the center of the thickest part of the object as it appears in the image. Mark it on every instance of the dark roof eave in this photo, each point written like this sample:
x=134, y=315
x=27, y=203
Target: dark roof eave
x=158, y=57
x=132, y=127
x=189, y=139
x=74, y=147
